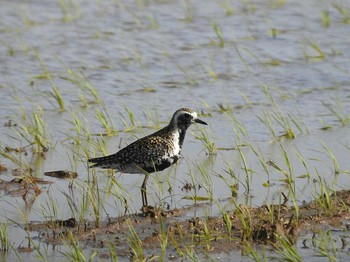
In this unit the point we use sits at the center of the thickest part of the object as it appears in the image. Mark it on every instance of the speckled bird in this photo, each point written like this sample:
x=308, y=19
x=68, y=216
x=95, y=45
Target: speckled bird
x=154, y=152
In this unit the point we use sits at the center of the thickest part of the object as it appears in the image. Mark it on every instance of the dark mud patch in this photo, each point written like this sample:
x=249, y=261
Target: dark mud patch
x=267, y=224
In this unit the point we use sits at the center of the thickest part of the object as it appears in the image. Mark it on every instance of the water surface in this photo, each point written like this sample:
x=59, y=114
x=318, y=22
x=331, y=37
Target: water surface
x=153, y=57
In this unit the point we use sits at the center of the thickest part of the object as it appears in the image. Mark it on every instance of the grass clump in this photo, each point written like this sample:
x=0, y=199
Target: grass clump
x=5, y=244
x=228, y=8
x=326, y=22
x=209, y=145
x=218, y=33
x=57, y=95
x=286, y=121
x=344, y=12
x=312, y=51
x=106, y=122
x=189, y=10
x=135, y=244
x=70, y=10
x=75, y=251
x=287, y=250
x=78, y=79
x=35, y=133
x=337, y=110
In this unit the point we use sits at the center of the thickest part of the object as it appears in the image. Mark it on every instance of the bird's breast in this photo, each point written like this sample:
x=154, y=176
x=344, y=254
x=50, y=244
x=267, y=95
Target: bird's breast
x=176, y=145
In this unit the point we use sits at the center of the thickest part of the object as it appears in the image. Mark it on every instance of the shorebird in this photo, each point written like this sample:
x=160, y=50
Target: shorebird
x=152, y=153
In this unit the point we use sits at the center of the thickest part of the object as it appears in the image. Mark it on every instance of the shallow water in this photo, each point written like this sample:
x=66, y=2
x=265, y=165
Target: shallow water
x=153, y=57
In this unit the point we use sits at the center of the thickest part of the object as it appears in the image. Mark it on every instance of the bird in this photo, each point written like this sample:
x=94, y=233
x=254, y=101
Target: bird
x=152, y=153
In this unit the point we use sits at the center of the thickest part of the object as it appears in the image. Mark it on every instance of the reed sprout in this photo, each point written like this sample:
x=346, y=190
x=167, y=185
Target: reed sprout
x=135, y=244
x=35, y=133
x=106, y=122
x=325, y=246
x=57, y=96
x=5, y=244
x=218, y=33
x=337, y=110
x=207, y=142
x=326, y=22
x=343, y=11
x=287, y=251
x=336, y=167
x=189, y=12
x=247, y=171
x=78, y=79
x=75, y=251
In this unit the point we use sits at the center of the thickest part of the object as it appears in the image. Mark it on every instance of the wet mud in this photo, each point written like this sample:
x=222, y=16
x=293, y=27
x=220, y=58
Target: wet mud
x=264, y=225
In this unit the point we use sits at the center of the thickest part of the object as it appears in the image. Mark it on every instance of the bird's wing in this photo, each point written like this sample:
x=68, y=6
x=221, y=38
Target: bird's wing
x=148, y=150
x=144, y=154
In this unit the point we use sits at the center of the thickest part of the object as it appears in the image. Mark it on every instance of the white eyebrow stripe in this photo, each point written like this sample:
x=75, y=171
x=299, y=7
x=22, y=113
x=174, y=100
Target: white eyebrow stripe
x=194, y=114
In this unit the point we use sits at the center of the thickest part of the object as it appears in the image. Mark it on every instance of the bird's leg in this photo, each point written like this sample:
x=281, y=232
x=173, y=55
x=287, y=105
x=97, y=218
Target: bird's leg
x=144, y=192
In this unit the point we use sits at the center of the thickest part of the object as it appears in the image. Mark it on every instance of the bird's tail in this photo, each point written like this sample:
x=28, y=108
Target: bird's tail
x=103, y=162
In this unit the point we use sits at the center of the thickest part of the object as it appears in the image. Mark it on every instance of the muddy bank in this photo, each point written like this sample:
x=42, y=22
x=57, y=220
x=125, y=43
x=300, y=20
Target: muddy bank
x=266, y=225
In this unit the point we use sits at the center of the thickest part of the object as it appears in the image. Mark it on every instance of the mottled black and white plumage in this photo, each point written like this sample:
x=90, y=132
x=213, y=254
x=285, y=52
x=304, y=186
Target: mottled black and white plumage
x=154, y=152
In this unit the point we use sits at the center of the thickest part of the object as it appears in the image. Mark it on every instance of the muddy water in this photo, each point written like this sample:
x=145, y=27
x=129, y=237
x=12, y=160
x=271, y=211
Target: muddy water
x=153, y=57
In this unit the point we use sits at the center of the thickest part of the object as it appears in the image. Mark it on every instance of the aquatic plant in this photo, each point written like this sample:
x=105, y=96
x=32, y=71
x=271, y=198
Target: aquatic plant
x=70, y=10
x=206, y=141
x=239, y=129
x=336, y=107
x=57, y=95
x=324, y=245
x=257, y=255
x=247, y=171
x=336, y=167
x=5, y=243
x=343, y=11
x=228, y=7
x=233, y=181
x=163, y=240
x=286, y=250
x=35, y=132
x=324, y=196
x=79, y=80
x=285, y=121
x=94, y=197
x=326, y=21
x=188, y=9
x=106, y=122
x=206, y=180
x=74, y=250
x=135, y=243
x=313, y=51
x=218, y=33
x=129, y=121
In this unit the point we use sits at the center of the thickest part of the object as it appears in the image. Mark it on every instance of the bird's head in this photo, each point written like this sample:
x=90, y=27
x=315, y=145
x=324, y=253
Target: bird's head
x=184, y=117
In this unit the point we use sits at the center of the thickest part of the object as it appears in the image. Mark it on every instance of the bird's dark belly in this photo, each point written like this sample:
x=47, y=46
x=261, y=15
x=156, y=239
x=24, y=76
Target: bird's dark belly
x=161, y=165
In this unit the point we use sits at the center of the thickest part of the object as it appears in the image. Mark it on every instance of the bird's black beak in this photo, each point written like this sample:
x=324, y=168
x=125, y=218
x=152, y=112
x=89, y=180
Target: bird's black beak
x=197, y=120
